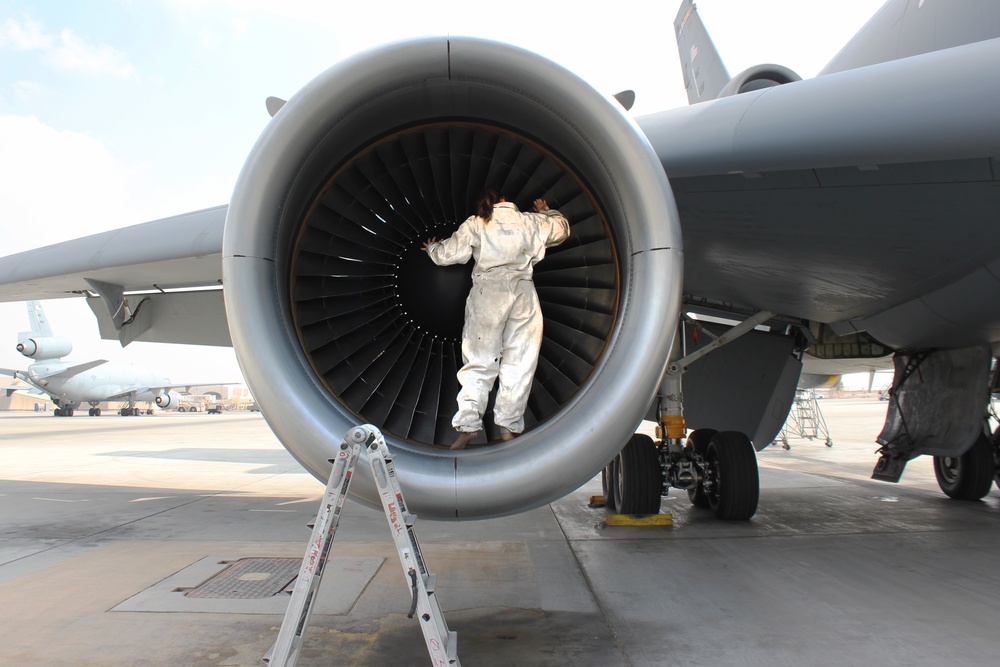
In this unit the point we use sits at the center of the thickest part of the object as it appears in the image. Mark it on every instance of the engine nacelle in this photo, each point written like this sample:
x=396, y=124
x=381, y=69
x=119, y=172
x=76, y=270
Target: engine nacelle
x=166, y=399
x=817, y=381
x=338, y=318
x=50, y=347
x=758, y=77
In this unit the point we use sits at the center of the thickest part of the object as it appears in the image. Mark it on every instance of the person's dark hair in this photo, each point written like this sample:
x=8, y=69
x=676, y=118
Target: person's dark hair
x=484, y=205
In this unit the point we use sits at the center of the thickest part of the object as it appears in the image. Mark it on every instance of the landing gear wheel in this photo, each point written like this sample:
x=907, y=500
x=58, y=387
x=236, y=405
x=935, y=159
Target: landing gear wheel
x=97, y=412
x=639, y=479
x=995, y=441
x=698, y=441
x=733, y=482
x=608, y=484
x=969, y=476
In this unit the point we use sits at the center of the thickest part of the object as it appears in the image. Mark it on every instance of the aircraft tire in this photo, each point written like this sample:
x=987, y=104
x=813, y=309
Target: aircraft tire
x=639, y=478
x=969, y=476
x=609, y=485
x=995, y=440
x=698, y=440
x=97, y=412
x=736, y=483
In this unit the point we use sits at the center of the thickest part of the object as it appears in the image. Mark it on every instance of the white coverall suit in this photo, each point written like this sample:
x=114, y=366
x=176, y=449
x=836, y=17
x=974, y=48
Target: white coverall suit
x=503, y=321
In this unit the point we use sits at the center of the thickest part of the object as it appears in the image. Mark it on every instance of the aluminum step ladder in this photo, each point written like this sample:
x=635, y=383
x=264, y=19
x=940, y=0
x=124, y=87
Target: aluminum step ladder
x=442, y=643
x=805, y=420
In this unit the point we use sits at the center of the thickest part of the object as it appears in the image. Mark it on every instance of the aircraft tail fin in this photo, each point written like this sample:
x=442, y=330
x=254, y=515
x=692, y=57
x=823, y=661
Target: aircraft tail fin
x=39, y=322
x=704, y=73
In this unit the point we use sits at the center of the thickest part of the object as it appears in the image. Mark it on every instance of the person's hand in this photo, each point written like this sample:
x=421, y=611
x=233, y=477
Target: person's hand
x=540, y=204
x=429, y=242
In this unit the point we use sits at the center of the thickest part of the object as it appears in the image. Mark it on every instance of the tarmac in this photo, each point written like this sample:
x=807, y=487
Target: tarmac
x=113, y=530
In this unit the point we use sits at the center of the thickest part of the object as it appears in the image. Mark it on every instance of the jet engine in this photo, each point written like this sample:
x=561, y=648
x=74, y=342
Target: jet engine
x=758, y=77
x=50, y=347
x=338, y=318
x=166, y=399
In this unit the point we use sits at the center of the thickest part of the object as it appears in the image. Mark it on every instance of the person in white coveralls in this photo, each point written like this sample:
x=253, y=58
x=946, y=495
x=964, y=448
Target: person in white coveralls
x=503, y=321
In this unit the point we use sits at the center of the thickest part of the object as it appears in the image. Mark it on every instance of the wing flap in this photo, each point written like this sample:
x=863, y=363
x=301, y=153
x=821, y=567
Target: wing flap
x=193, y=318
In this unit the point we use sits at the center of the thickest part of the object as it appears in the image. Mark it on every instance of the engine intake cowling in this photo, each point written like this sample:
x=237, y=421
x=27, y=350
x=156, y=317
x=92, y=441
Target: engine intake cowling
x=338, y=318
x=757, y=78
x=49, y=347
x=166, y=399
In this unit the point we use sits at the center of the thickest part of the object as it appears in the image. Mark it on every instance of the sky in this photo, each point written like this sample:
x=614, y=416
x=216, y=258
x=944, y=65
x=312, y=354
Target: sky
x=117, y=112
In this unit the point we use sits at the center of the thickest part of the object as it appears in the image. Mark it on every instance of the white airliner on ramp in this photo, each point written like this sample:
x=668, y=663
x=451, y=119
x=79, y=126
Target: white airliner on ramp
x=72, y=384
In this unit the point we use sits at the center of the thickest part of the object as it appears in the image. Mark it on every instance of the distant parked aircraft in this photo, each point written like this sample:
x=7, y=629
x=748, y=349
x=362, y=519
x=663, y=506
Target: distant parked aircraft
x=71, y=384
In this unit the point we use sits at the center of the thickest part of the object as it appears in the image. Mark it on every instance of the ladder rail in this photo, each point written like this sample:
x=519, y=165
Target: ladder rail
x=285, y=651
x=442, y=643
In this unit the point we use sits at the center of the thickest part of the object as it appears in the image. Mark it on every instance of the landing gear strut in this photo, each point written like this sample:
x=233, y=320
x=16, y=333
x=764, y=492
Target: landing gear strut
x=718, y=470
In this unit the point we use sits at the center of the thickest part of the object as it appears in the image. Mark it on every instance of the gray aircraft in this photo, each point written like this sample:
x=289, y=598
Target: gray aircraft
x=773, y=224
x=70, y=384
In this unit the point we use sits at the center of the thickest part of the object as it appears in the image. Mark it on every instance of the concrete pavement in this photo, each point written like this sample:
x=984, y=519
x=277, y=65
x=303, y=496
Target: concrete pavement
x=106, y=523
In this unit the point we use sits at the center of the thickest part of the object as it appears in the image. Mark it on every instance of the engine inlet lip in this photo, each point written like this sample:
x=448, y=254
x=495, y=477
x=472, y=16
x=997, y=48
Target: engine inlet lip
x=595, y=135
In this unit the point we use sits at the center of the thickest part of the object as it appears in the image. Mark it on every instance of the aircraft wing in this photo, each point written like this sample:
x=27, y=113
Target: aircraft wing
x=859, y=199
x=186, y=387
x=72, y=370
x=11, y=388
x=159, y=281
